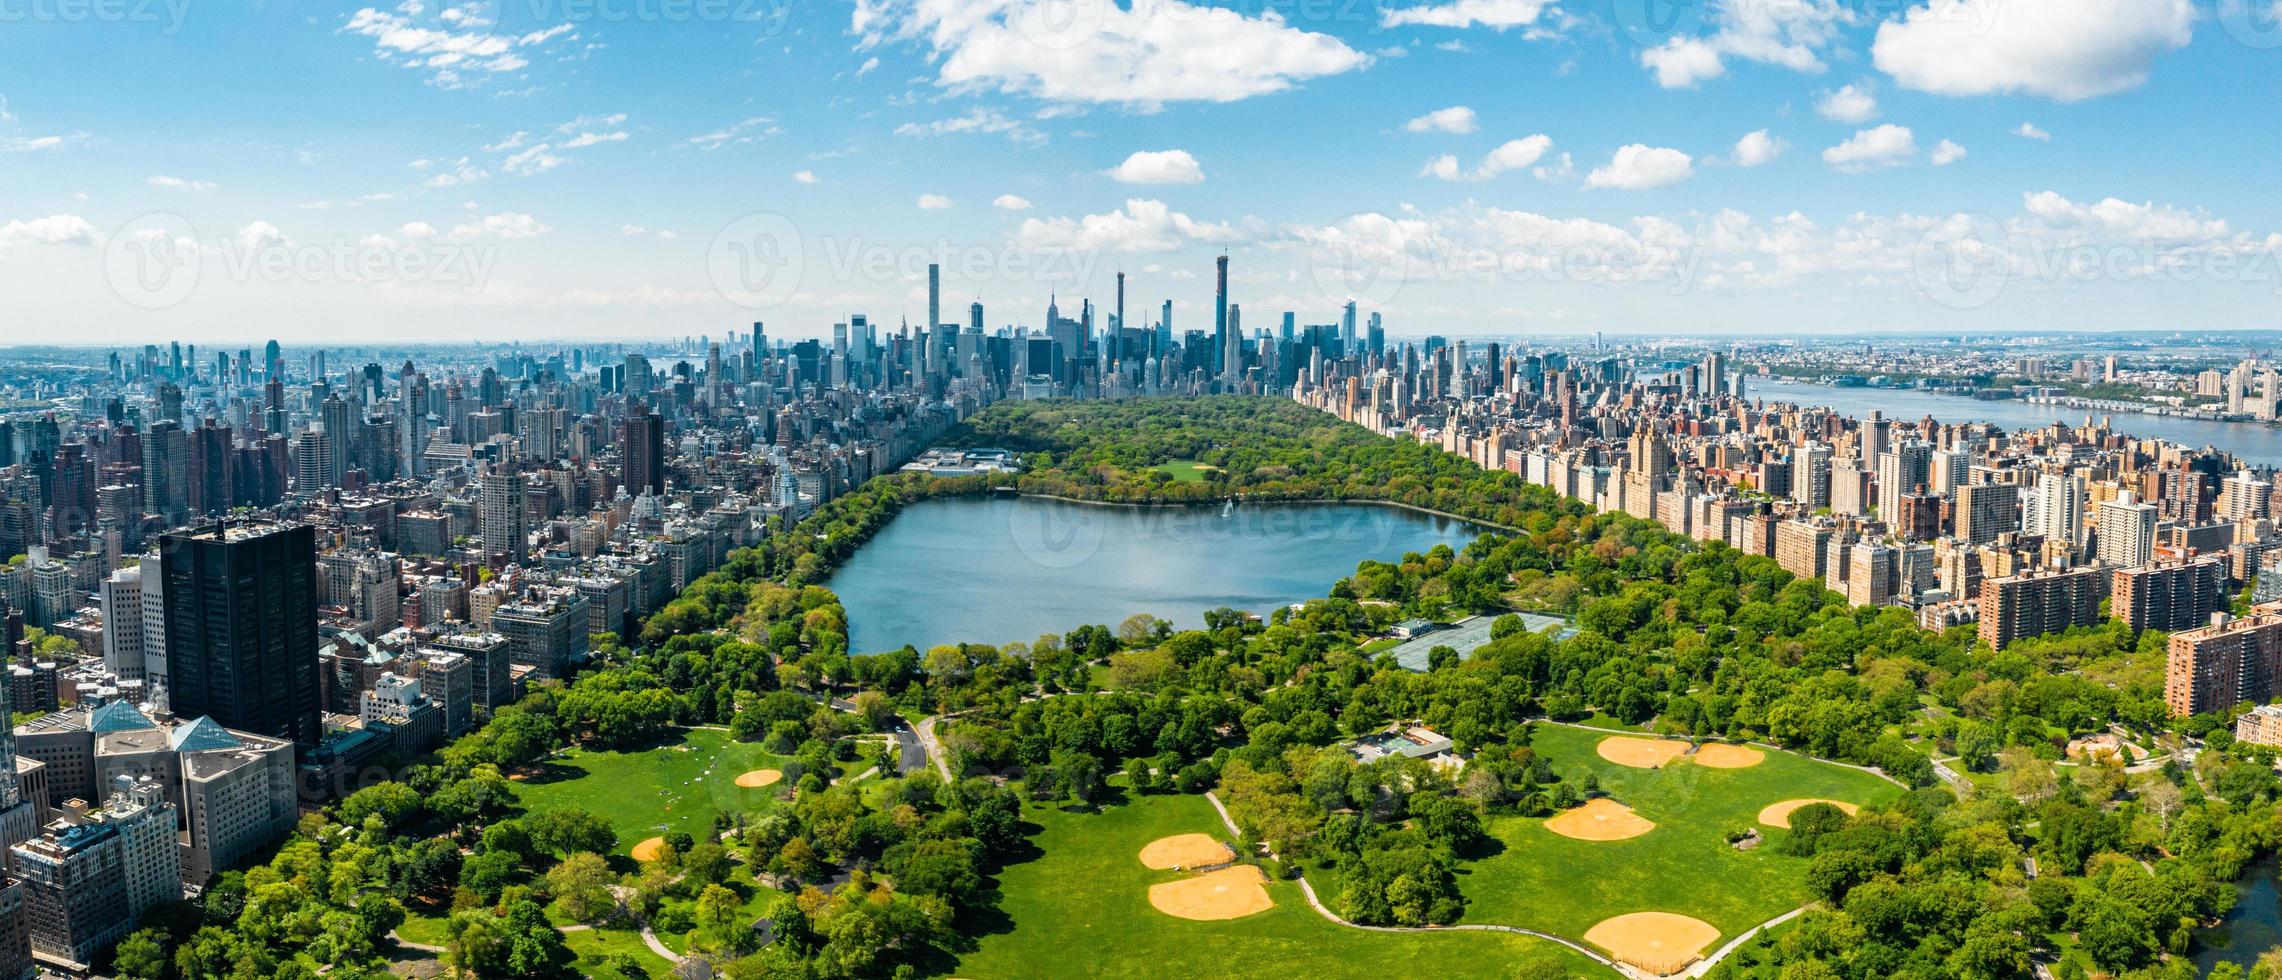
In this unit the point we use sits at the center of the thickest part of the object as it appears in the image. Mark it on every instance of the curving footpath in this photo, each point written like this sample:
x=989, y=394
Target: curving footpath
x=1696, y=969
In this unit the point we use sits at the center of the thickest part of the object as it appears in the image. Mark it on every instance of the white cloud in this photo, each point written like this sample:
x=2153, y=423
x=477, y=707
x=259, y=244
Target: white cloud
x=465, y=43
x=747, y=130
x=1456, y=119
x=34, y=144
x=531, y=160
x=590, y=139
x=632, y=231
x=1639, y=167
x=2114, y=219
x=1144, y=55
x=977, y=120
x=804, y=176
x=55, y=229
x=1158, y=167
x=1010, y=202
x=504, y=225
x=867, y=66
x=1886, y=145
x=1498, y=14
x=2029, y=131
x=5, y=116
x=255, y=236
x=1945, y=153
x=1509, y=156
x=177, y=183
x=2061, y=49
x=1757, y=148
x=1849, y=104
x=1142, y=226
x=1787, y=35
x=462, y=172
x=934, y=202
x=417, y=230
x=511, y=141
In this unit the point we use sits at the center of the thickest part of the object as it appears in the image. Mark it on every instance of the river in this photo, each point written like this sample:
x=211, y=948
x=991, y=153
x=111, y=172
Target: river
x=2254, y=442
x=997, y=570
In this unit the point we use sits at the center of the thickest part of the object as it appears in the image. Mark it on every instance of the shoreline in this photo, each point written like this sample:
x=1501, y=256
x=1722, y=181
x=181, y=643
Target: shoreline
x=1276, y=501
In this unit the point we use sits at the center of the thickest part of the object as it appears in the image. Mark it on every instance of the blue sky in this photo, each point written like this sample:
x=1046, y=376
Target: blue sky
x=597, y=168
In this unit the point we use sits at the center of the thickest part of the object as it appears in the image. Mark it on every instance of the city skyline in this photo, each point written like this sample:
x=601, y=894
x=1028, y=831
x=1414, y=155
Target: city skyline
x=531, y=170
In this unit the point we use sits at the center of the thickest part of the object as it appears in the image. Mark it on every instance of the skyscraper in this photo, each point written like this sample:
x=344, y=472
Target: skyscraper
x=499, y=511
x=241, y=627
x=643, y=445
x=1223, y=344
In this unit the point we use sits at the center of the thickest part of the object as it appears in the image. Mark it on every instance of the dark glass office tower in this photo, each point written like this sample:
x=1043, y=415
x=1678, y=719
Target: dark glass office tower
x=241, y=627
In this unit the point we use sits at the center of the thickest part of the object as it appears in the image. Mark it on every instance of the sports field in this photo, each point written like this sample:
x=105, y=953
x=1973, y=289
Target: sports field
x=1567, y=885
x=1186, y=470
x=1082, y=909
x=676, y=786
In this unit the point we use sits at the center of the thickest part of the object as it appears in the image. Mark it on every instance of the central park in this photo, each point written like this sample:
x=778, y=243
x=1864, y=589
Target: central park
x=1705, y=767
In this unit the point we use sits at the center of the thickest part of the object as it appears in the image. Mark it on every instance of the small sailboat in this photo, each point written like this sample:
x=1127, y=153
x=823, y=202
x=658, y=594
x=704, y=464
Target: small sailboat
x=1228, y=508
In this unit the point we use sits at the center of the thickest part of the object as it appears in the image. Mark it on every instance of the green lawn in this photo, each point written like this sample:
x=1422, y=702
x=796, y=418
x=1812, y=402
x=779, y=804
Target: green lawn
x=427, y=930
x=1082, y=909
x=1186, y=470
x=592, y=946
x=678, y=785
x=1543, y=880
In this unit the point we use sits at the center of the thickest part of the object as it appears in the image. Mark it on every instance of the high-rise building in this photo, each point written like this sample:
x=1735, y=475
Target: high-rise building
x=1985, y=510
x=2231, y=661
x=1224, y=346
x=1902, y=470
x=2127, y=531
x=241, y=627
x=90, y=876
x=643, y=444
x=1810, y=475
x=2022, y=606
x=500, y=514
x=2170, y=596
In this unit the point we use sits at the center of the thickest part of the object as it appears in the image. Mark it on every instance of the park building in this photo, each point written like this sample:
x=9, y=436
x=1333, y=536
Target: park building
x=2261, y=725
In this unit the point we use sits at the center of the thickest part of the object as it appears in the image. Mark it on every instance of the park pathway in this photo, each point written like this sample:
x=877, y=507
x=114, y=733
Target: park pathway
x=1696, y=969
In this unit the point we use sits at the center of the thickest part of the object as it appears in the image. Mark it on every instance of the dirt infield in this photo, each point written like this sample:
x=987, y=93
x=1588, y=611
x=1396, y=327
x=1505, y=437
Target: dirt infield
x=1600, y=819
x=1779, y=814
x=648, y=850
x=759, y=778
x=1641, y=753
x=1659, y=942
x=1185, y=851
x=1720, y=755
x=1229, y=893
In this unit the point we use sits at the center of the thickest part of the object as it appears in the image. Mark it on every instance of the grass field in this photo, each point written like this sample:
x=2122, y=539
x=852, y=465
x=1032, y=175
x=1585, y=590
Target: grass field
x=1082, y=909
x=1186, y=470
x=1543, y=880
x=677, y=786
x=592, y=946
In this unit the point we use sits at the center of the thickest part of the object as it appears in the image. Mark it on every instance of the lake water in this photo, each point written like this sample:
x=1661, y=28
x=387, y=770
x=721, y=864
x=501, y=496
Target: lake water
x=2252, y=927
x=2255, y=442
x=996, y=570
